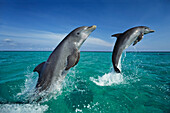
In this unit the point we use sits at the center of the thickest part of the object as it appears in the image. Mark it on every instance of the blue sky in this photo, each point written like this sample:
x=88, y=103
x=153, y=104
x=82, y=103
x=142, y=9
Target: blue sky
x=42, y=24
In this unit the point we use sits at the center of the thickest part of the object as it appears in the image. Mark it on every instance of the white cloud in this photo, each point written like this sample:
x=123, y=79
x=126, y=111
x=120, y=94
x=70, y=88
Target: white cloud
x=33, y=34
x=44, y=39
x=97, y=41
x=7, y=40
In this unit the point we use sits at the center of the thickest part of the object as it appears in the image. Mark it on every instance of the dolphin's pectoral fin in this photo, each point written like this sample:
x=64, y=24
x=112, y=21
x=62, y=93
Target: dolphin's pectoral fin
x=38, y=68
x=78, y=57
x=72, y=60
x=135, y=42
x=117, y=35
x=138, y=39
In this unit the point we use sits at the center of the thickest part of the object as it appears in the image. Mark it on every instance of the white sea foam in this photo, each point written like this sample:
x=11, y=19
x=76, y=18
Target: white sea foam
x=23, y=108
x=78, y=110
x=108, y=79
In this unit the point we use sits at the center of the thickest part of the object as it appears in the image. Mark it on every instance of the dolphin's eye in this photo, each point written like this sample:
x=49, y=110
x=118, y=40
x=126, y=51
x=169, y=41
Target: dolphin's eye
x=78, y=33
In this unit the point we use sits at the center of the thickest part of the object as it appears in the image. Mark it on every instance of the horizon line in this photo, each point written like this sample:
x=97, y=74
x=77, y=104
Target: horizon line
x=81, y=51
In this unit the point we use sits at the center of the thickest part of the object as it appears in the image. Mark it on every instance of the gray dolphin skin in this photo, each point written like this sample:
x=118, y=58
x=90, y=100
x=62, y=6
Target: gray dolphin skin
x=125, y=39
x=64, y=56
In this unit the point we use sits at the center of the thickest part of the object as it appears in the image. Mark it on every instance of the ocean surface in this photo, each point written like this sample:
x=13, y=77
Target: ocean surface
x=91, y=86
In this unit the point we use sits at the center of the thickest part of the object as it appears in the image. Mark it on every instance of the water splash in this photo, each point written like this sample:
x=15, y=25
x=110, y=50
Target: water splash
x=29, y=86
x=25, y=108
x=112, y=77
x=108, y=79
x=28, y=90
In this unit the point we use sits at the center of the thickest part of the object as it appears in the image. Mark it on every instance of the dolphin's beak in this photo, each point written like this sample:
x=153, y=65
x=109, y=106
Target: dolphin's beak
x=151, y=31
x=91, y=28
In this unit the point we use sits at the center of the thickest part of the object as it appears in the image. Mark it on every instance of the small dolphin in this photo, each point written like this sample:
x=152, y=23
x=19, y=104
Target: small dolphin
x=64, y=56
x=124, y=40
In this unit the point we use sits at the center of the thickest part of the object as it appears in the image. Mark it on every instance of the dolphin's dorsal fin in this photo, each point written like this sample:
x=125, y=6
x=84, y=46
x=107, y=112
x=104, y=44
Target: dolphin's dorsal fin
x=38, y=68
x=117, y=35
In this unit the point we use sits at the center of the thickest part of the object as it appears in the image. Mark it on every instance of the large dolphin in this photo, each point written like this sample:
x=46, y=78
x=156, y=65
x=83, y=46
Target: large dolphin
x=64, y=56
x=125, y=39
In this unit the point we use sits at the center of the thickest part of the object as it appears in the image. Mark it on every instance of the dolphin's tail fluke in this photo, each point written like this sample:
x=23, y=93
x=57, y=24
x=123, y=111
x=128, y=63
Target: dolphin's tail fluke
x=116, y=69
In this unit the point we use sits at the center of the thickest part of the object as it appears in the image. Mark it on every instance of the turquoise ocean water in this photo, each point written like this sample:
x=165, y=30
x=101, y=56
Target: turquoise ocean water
x=91, y=86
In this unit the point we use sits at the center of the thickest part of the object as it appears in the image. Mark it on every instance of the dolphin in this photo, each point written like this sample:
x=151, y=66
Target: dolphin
x=64, y=56
x=125, y=39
